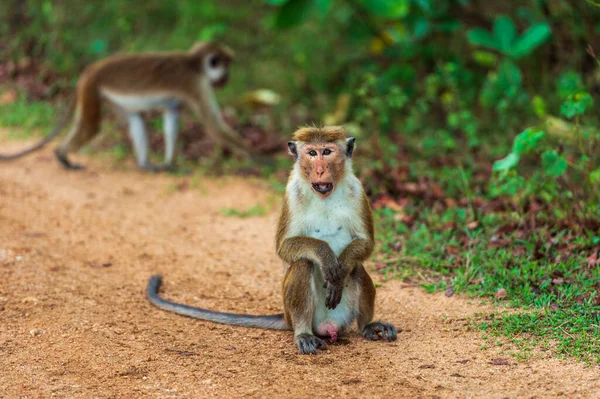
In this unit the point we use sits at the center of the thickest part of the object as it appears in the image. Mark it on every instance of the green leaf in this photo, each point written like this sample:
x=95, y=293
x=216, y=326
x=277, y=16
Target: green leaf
x=505, y=32
x=506, y=163
x=481, y=37
x=576, y=104
x=293, y=13
x=98, y=46
x=393, y=9
x=539, y=106
x=509, y=74
x=553, y=164
x=425, y=5
x=422, y=27
x=527, y=140
x=275, y=2
x=209, y=32
x=533, y=37
x=323, y=7
x=485, y=58
x=569, y=83
x=595, y=176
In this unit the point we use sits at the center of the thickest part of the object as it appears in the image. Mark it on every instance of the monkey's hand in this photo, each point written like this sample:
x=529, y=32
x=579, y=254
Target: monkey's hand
x=334, y=294
x=335, y=276
x=334, y=271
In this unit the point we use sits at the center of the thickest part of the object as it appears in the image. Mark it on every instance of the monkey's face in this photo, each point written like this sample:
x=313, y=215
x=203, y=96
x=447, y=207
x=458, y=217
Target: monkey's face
x=322, y=166
x=216, y=68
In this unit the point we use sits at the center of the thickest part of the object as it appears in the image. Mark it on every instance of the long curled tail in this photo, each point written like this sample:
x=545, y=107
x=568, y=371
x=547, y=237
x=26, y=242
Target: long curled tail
x=45, y=140
x=272, y=322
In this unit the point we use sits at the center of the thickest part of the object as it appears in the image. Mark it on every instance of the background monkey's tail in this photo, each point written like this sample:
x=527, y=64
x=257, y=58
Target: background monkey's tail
x=47, y=139
x=272, y=322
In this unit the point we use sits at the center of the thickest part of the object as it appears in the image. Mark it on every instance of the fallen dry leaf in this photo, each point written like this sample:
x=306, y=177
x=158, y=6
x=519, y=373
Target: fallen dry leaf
x=450, y=203
x=501, y=294
x=593, y=260
x=472, y=225
x=8, y=97
x=499, y=362
x=184, y=185
x=452, y=249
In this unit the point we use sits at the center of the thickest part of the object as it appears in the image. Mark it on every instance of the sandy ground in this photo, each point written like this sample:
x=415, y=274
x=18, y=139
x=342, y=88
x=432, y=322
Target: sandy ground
x=76, y=251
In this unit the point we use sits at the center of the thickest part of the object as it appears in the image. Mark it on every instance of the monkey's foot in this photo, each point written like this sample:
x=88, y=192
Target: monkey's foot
x=308, y=344
x=64, y=161
x=148, y=167
x=380, y=330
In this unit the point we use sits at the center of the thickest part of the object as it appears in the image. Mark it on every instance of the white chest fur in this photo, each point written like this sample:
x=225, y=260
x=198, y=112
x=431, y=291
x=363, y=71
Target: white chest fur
x=330, y=222
x=333, y=219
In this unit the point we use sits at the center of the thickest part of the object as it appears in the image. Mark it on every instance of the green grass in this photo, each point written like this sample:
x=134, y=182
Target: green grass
x=255, y=210
x=557, y=300
x=27, y=119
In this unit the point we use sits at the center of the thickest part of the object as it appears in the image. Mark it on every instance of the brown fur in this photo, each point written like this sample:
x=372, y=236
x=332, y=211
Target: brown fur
x=305, y=254
x=310, y=262
x=170, y=74
x=325, y=134
x=366, y=302
x=359, y=250
x=167, y=72
x=296, y=294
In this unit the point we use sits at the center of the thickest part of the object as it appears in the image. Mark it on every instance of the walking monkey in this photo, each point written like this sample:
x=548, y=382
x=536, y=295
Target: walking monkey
x=139, y=82
x=324, y=235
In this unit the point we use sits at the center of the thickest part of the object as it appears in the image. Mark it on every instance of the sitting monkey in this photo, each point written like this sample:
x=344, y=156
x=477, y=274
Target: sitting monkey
x=324, y=235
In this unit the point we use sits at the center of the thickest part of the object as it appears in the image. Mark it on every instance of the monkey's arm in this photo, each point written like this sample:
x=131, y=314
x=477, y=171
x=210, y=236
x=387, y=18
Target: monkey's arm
x=317, y=251
x=363, y=244
x=206, y=107
x=355, y=253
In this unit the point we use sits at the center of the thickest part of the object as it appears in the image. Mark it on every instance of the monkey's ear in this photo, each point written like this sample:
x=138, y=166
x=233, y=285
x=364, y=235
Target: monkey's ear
x=350, y=146
x=293, y=149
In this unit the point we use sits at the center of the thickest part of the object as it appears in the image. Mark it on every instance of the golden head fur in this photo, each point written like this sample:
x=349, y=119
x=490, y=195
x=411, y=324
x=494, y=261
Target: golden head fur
x=324, y=134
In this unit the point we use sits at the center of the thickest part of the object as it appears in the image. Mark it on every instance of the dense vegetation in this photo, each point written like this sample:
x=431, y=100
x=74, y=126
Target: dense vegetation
x=477, y=133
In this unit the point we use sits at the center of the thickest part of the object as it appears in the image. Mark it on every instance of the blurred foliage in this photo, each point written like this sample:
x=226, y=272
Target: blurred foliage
x=477, y=137
x=427, y=85
x=435, y=84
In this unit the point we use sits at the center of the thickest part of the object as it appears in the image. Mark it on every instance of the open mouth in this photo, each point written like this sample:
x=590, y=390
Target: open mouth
x=322, y=188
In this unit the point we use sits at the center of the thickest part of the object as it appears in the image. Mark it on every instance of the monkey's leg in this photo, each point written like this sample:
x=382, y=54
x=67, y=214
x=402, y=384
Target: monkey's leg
x=299, y=305
x=78, y=136
x=85, y=127
x=170, y=125
x=366, y=306
x=137, y=133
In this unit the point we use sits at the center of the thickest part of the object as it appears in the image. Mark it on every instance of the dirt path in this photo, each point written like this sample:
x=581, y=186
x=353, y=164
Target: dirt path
x=76, y=250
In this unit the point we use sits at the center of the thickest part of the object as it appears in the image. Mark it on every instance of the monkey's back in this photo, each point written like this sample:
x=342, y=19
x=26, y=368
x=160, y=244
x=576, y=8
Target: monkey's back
x=142, y=73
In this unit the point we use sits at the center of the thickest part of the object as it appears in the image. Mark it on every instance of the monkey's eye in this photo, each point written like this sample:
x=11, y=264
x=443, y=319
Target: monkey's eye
x=214, y=61
x=326, y=151
x=312, y=153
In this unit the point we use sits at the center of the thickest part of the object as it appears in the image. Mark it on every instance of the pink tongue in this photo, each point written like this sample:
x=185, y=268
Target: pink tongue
x=332, y=331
